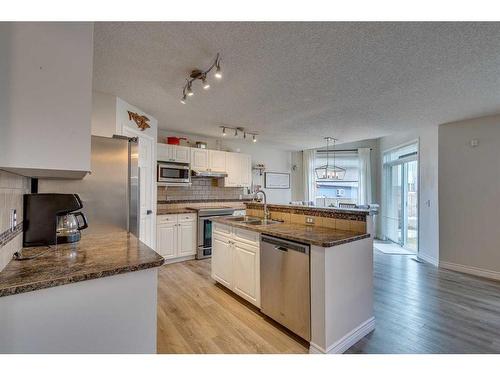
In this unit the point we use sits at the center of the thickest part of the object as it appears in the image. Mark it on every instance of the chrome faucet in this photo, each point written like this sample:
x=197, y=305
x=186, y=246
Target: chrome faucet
x=266, y=210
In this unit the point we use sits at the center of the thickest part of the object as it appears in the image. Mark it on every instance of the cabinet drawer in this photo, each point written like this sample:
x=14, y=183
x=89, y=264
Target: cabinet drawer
x=186, y=217
x=223, y=229
x=162, y=219
x=246, y=236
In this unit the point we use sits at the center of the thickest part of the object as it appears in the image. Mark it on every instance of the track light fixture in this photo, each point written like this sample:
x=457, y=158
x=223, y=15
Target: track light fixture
x=201, y=75
x=237, y=131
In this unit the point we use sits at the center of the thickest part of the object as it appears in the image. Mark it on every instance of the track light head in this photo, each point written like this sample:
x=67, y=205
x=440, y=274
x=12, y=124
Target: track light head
x=254, y=138
x=183, y=99
x=205, y=83
x=224, y=131
x=218, y=71
x=189, y=92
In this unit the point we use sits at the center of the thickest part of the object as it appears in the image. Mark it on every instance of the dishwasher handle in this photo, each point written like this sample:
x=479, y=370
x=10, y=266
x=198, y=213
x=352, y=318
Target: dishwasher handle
x=285, y=245
x=281, y=248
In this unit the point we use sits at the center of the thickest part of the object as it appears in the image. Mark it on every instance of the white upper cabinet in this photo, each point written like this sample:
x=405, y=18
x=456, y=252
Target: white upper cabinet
x=181, y=154
x=178, y=154
x=217, y=160
x=46, y=102
x=239, y=170
x=199, y=159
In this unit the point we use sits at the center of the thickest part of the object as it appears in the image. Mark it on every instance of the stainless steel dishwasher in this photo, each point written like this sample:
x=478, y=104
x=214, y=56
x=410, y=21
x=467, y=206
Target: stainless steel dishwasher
x=285, y=284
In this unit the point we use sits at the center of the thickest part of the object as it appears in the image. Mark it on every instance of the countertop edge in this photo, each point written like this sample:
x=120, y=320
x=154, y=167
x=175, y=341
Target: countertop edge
x=326, y=244
x=45, y=284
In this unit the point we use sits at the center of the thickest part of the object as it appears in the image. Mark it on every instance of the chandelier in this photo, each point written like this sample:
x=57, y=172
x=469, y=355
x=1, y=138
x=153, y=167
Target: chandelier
x=201, y=75
x=328, y=171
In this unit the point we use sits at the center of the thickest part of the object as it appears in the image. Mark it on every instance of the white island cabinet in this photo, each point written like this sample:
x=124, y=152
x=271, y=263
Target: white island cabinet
x=341, y=286
x=236, y=261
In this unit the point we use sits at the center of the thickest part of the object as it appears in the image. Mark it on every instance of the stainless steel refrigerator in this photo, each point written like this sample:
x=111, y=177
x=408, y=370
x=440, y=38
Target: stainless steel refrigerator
x=110, y=193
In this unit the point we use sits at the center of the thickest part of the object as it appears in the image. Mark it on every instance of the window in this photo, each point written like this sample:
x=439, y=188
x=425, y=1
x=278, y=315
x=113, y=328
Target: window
x=330, y=193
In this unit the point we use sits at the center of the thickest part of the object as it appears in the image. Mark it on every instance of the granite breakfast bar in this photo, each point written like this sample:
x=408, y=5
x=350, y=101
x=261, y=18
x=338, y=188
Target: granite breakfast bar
x=91, y=296
x=341, y=266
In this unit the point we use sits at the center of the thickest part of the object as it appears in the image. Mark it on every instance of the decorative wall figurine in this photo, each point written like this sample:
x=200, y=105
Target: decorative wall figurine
x=140, y=120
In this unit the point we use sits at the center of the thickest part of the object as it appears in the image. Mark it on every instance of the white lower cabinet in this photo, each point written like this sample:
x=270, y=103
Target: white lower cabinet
x=166, y=240
x=176, y=235
x=236, y=261
x=221, y=261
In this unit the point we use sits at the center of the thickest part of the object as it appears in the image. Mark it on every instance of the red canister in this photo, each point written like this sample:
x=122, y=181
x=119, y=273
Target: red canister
x=175, y=140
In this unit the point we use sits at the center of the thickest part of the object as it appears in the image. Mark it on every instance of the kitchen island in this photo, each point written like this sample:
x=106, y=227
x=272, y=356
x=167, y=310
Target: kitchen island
x=97, y=295
x=340, y=268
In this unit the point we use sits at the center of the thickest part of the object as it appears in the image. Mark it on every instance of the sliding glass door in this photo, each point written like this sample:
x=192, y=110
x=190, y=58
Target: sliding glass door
x=400, y=205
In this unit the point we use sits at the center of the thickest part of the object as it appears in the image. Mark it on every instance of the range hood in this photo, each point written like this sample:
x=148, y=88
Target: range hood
x=211, y=174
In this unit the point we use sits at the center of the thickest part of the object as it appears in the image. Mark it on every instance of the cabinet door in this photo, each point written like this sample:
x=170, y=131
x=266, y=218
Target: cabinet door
x=199, y=159
x=217, y=161
x=186, y=238
x=222, y=261
x=166, y=240
x=245, y=170
x=181, y=154
x=246, y=271
x=163, y=152
x=232, y=169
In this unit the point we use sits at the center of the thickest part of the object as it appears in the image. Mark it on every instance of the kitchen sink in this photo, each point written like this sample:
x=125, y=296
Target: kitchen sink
x=263, y=222
x=251, y=220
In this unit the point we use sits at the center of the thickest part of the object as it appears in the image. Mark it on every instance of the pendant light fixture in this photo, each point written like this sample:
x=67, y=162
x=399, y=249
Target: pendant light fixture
x=329, y=171
x=201, y=75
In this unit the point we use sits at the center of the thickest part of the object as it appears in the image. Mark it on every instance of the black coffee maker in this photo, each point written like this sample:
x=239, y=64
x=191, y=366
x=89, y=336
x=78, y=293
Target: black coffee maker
x=42, y=218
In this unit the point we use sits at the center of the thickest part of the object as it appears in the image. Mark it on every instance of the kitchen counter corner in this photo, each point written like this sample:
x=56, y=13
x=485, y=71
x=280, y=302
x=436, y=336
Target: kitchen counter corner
x=94, y=256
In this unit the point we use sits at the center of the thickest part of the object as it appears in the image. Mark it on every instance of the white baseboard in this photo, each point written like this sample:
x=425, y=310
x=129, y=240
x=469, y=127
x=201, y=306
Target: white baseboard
x=476, y=271
x=428, y=259
x=347, y=341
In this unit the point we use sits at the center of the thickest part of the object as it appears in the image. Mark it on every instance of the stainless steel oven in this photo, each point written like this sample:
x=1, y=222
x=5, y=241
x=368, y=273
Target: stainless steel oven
x=205, y=216
x=174, y=173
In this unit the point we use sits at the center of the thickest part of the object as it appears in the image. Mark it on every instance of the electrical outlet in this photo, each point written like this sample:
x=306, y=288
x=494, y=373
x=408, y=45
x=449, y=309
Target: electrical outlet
x=13, y=219
x=309, y=220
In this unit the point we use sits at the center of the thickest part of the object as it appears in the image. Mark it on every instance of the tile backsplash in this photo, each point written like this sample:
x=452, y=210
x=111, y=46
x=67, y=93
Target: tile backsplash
x=12, y=188
x=201, y=189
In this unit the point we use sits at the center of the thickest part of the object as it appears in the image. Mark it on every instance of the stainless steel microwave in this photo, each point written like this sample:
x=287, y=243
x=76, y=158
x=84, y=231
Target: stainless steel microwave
x=173, y=173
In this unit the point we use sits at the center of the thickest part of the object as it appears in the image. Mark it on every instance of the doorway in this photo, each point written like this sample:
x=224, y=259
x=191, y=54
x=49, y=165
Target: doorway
x=400, y=198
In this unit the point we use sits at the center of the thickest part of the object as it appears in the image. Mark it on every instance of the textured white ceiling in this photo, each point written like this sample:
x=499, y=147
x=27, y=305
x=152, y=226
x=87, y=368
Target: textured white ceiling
x=297, y=82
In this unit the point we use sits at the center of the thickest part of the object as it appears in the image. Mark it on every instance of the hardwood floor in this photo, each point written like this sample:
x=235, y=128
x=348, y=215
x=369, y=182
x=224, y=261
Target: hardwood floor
x=195, y=315
x=418, y=309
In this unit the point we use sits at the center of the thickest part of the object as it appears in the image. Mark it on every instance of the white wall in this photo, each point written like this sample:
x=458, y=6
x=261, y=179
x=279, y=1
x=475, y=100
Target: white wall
x=469, y=194
x=297, y=177
x=45, y=96
x=103, y=114
x=275, y=158
x=428, y=187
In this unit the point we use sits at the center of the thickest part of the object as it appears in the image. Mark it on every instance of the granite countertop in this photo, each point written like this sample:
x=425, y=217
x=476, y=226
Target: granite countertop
x=312, y=209
x=310, y=234
x=93, y=257
x=172, y=211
